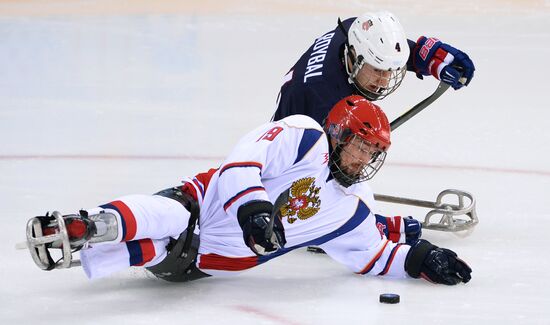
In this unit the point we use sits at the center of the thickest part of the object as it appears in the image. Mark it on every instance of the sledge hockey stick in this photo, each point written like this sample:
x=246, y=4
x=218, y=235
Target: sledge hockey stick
x=281, y=199
x=441, y=88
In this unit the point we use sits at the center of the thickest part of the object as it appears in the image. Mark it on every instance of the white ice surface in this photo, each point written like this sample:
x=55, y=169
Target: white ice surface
x=93, y=106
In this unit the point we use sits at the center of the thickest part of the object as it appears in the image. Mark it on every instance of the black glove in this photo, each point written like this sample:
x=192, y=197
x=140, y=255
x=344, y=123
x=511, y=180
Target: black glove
x=439, y=265
x=254, y=217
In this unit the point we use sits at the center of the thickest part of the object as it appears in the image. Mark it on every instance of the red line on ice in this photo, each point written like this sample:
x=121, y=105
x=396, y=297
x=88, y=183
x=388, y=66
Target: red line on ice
x=220, y=158
x=264, y=314
x=473, y=168
x=106, y=157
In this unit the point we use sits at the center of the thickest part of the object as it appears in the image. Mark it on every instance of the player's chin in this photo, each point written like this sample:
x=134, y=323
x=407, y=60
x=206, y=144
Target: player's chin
x=353, y=174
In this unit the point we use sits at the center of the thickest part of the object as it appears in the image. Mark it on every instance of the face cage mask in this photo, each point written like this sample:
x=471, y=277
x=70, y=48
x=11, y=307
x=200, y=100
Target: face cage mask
x=393, y=80
x=367, y=172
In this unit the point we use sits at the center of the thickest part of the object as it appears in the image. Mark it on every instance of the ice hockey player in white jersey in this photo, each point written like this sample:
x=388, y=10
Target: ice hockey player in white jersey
x=287, y=184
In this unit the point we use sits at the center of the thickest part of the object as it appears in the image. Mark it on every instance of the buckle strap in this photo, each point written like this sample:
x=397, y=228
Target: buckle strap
x=192, y=206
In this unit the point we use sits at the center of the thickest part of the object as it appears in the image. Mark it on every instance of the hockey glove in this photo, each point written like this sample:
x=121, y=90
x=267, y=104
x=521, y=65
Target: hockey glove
x=438, y=265
x=446, y=63
x=399, y=229
x=254, y=219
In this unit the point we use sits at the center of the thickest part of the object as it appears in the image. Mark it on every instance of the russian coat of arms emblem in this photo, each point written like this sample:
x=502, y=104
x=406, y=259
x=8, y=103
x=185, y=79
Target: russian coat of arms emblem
x=303, y=201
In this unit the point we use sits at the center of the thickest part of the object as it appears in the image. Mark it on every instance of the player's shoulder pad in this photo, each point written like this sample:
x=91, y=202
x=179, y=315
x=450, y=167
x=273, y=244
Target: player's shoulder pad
x=364, y=192
x=301, y=122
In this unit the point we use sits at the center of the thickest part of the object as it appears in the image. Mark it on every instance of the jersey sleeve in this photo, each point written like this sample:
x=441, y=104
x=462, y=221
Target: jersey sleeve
x=265, y=152
x=410, y=60
x=365, y=250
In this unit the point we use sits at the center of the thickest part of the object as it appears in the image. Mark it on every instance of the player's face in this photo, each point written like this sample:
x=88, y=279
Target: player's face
x=372, y=79
x=356, y=155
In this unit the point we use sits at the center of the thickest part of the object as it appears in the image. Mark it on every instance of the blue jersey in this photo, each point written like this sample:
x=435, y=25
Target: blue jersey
x=319, y=79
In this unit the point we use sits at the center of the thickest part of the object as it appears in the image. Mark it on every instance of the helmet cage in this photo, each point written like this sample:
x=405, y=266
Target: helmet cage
x=368, y=168
x=368, y=87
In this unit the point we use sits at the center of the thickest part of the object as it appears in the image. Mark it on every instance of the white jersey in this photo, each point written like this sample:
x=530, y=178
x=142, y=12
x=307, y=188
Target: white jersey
x=291, y=153
x=288, y=154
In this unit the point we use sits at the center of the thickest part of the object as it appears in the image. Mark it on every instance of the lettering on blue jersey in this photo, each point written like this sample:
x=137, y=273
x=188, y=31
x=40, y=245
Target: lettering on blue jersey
x=315, y=63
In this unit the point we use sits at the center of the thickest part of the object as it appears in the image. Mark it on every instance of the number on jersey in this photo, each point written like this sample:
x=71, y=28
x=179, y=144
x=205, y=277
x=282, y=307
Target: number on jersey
x=271, y=134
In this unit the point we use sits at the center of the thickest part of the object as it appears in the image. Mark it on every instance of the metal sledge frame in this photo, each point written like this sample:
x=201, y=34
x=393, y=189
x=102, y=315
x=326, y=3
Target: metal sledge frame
x=446, y=211
x=36, y=243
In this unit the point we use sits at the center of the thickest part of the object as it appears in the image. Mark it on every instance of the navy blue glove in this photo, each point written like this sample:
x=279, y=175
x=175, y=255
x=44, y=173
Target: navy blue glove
x=399, y=229
x=254, y=217
x=413, y=230
x=446, y=63
x=438, y=265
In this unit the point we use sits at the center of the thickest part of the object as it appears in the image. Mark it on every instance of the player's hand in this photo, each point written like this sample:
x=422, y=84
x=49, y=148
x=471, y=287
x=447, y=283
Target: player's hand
x=413, y=230
x=446, y=63
x=254, y=219
x=399, y=229
x=438, y=265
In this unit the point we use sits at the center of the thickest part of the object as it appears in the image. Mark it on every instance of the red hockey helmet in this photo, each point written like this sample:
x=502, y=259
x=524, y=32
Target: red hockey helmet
x=360, y=134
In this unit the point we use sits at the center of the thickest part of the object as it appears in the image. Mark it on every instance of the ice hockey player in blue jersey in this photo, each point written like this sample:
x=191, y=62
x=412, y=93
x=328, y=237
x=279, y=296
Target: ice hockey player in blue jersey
x=367, y=55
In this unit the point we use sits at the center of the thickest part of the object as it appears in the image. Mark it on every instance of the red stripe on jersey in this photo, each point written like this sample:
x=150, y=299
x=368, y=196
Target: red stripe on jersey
x=205, y=178
x=147, y=250
x=369, y=266
x=199, y=186
x=223, y=263
x=390, y=260
x=241, y=164
x=188, y=188
x=241, y=194
x=129, y=220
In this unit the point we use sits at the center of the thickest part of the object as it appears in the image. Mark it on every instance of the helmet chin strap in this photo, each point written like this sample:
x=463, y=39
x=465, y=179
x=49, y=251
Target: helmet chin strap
x=347, y=47
x=343, y=29
x=356, y=65
x=355, y=68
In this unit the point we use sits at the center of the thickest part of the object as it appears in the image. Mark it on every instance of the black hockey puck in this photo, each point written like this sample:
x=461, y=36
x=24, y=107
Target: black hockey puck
x=316, y=250
x=389, y=298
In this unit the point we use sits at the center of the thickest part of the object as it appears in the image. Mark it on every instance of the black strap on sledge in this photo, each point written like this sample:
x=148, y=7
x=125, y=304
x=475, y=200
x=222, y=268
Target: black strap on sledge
x=179, y=264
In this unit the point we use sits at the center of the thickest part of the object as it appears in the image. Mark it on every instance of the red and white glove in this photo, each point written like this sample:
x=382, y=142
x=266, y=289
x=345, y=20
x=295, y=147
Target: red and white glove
x=399, y=229
x=446, y=63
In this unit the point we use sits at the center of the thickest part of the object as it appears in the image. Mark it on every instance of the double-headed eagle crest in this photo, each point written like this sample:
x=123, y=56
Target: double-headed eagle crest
x=303, y=201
